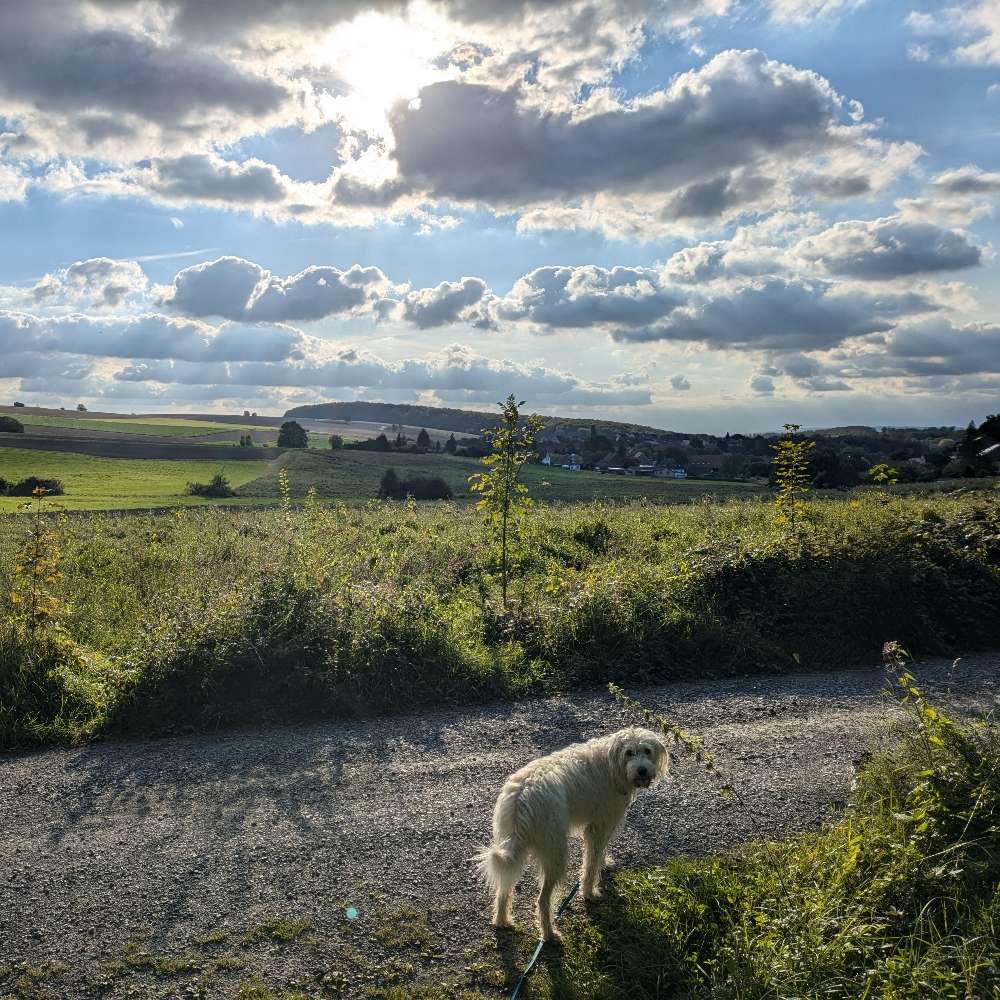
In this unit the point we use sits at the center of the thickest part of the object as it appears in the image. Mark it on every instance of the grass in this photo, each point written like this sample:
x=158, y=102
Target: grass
x=149, y=426
x=93, y=483
x=208, y=617
x=355, y=475
x=897, y=899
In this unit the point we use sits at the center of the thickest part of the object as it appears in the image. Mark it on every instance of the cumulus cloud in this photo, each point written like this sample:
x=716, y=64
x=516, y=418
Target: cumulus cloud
x=66, y=73
x=455, y=368
x=719, y=137
x=956, y=197
x=100, y=281
x=207, y=177
x=887, y=248
x=239, y=289
x=575, y=297
x=965, y=33
x=449, y=302
x=145, y=336
x=680, y=383
x=777, y=313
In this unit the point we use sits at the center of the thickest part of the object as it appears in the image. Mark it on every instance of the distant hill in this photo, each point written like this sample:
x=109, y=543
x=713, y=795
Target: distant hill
x=469, y=422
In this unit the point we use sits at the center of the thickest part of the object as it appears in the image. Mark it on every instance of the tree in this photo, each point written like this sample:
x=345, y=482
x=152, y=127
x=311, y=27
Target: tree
x=16, y=403
x=423, y=439
x=790, y=470
x=9, y=425
x=451, y=444
x=336, y=442
x=388, y=487
x=246, y=441
x=381, y=443
x=293, y=435
x=505, y=500
x=246, y=413
x=81, y=408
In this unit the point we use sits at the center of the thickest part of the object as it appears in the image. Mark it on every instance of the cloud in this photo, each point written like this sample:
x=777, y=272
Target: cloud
x=882, y=249
x=680, y=383
x=456, y=368
x=761, y=385
x=778, y=313
x=146, y=336
x=719, y=137
x=100, y=281
x=802, y=12
x=576, y=297
x=963, y=33
x=239, y=289
x=956, y=197
x=72, y=76
x=14, y=182
x=207, y=177
x=449, y=302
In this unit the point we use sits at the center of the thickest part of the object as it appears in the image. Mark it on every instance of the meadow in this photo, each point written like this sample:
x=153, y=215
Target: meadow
x=147, y=426
x=93, y=483
x=201, y=617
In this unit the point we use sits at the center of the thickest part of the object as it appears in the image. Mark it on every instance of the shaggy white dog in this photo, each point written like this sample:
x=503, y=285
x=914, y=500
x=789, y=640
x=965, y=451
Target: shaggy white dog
x=585, y=788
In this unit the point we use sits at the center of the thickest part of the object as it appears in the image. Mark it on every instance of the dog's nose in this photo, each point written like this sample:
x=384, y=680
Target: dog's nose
x=643, y=771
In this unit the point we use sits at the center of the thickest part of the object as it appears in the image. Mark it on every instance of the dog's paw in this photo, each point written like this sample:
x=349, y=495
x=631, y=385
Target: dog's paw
x=593, y=896
x=555, y=939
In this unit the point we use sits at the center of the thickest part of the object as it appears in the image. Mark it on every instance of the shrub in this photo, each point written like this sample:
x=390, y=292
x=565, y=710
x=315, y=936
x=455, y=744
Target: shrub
x=218, y=487
x=26, y=487
x=293, y=435
x=10, y=425
x=419, y=487
x=896, y=899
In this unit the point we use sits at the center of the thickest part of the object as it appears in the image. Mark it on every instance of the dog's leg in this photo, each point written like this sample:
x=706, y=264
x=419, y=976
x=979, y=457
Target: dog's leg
x=595, y=843
x=553, y=875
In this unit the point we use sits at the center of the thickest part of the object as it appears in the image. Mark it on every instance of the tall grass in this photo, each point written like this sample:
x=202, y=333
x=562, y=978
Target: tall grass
x=897, y=899
x=205, y=617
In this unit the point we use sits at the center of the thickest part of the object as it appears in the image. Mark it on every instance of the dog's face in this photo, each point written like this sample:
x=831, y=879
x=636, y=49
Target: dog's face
x=639, y=756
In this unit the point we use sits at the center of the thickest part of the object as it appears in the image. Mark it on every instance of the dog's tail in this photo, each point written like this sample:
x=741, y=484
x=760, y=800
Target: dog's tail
x=500, y=865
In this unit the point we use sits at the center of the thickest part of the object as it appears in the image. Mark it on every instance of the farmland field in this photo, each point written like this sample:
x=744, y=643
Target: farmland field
x=117, y=483
x=152, y=426
x=353, y=476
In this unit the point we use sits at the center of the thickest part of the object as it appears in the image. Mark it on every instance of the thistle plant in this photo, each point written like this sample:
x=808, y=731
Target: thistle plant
x=504, y=502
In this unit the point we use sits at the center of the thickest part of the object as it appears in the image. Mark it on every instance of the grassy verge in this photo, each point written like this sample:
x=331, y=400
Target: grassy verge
x=205, y=617
x=898, y=899
x=118, y=483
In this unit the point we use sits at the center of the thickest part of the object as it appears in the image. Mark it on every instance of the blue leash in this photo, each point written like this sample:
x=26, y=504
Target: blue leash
x=541, y=945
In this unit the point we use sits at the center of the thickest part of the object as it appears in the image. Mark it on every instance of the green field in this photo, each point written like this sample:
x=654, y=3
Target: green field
x=117, y=483
x=353, y=476
x=149, y=426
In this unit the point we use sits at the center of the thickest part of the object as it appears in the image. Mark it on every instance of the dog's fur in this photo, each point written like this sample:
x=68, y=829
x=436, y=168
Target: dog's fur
x=585, y=788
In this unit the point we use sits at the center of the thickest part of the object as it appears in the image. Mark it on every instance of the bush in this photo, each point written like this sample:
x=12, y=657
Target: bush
x=419, y=487
x=897, y=899
x=10, y=425
x=26, y=487
x=218, y=488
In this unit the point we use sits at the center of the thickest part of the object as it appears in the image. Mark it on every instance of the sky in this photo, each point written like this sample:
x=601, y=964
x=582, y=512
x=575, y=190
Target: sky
x=702, y=215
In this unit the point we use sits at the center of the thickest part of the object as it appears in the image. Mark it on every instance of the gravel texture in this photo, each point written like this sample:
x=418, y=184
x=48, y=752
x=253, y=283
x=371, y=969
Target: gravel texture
x=120, y=850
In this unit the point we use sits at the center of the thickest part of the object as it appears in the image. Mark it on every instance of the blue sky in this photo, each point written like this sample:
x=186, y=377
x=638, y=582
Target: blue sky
x=711, y=215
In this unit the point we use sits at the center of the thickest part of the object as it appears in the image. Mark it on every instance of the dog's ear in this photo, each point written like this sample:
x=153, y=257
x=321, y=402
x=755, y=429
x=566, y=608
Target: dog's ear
x=663, y=759
x=616, y=754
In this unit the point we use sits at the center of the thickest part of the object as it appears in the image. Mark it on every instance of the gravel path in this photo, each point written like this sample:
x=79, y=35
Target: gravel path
x=118, y=856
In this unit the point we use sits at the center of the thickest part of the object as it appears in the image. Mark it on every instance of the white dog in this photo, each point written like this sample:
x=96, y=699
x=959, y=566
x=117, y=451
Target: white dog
x=585, y=788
